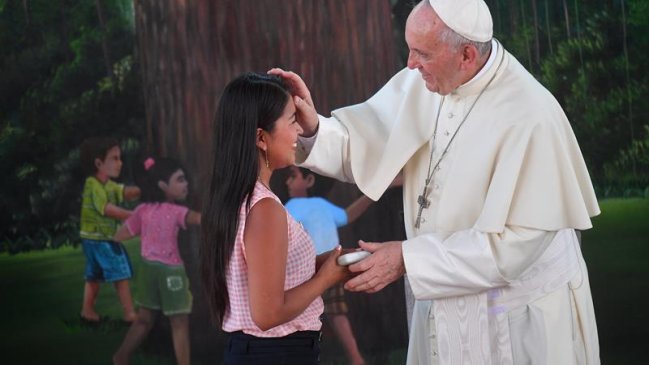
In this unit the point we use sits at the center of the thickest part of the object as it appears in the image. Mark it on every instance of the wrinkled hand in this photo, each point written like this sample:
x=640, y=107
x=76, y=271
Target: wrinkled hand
x=306, y=114
x=377, y=271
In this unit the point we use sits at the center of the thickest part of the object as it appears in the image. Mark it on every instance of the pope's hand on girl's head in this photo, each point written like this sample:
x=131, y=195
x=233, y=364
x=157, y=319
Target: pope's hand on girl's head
x=307, y=116
x=296, y=85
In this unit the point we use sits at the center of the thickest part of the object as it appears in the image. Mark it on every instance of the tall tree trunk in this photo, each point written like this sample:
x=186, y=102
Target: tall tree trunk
x=628, y=84
x=498, y=18
x=547, y=27
x=189, y=50
x=514, y=17
x=104, y=45
x=527, y=38
x=579, y=46
x=26, y=11
x=578, y=31
x=64, y=31
x=566, y=16
x=537, y=43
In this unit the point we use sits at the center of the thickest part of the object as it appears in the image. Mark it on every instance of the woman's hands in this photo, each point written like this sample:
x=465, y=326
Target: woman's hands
x=329, y=271
x=307, y=116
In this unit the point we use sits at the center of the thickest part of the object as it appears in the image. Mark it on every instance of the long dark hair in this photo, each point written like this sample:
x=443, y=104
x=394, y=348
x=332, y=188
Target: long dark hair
x=250, y=101
x=155, y=170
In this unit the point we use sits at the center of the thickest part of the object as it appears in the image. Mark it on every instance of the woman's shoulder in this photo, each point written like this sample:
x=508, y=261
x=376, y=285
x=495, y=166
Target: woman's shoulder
x=261, y=192
x=268, y=216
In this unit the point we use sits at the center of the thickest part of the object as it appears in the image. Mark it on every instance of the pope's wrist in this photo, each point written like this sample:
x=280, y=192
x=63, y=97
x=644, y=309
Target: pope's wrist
x=312, y=132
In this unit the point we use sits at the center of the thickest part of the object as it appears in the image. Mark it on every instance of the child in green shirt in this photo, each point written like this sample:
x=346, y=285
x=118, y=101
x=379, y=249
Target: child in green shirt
x=106, y=260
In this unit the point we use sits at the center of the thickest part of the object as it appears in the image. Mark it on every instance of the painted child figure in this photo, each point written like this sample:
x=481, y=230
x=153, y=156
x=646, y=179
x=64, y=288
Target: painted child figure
x=321, y=220
x=106, y=260
x=162, y=282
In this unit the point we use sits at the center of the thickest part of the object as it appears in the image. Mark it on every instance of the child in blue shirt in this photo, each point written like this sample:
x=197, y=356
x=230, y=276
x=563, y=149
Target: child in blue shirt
x=321, y=220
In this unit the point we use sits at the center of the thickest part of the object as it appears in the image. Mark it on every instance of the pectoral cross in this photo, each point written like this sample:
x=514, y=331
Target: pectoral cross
x=423, y=204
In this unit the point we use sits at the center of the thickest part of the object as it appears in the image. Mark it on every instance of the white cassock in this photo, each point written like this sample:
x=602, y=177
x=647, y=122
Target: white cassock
x=495, y=266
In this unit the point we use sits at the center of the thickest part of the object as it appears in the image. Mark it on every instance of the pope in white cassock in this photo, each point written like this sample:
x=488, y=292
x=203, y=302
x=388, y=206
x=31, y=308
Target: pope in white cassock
x=494, y=188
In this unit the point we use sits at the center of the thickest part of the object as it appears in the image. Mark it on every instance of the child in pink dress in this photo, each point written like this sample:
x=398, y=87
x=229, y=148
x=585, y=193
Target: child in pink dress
x=162, y=282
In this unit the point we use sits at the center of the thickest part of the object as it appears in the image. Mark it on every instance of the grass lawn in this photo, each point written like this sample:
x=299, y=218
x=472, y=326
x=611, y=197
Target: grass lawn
x=617, y=254
x=41, y=300
x=42, y=294
x=42, y=297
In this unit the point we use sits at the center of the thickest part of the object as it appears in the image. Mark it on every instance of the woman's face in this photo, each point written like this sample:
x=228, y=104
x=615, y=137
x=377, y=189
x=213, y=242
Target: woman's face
x=282, y=140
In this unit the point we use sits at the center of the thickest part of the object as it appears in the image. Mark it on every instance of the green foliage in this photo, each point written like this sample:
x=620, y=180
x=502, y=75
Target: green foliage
x=628, y=174
x=588, y=76
x=55, y=91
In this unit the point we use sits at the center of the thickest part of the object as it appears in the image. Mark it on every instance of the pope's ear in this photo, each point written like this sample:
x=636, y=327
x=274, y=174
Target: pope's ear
x=470, y=54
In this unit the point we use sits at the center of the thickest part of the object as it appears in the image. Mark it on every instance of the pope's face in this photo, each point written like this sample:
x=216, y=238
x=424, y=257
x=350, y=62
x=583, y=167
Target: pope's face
x=438, y=63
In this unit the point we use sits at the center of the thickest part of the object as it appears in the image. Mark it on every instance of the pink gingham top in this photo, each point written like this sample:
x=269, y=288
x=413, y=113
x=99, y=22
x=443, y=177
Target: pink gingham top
x=158, y=225
x=300, y=267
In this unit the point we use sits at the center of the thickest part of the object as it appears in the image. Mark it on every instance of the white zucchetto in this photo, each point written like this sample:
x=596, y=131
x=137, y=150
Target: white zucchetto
x=469, y=18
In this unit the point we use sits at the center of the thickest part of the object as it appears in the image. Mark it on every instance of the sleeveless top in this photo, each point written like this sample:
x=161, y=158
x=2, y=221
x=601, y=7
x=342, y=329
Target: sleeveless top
x=300, y=267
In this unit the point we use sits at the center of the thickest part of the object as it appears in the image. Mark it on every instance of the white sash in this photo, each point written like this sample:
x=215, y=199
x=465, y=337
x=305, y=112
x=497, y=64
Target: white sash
x=463, y=323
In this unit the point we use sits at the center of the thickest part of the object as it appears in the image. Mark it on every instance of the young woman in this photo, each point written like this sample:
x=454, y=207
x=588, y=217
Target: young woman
x=259, y=268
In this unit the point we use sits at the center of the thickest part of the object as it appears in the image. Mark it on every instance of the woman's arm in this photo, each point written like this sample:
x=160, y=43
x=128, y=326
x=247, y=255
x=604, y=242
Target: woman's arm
x=321, y=259
x=266, y=238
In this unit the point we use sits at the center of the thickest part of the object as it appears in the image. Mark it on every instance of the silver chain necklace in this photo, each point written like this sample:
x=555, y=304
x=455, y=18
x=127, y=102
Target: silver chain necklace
x=422, y=199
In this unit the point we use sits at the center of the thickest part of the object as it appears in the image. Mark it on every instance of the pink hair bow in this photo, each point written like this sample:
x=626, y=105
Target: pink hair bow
x=148, y=163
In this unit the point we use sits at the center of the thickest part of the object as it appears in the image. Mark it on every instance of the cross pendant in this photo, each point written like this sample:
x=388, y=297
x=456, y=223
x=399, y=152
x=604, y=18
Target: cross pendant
x=423, y=204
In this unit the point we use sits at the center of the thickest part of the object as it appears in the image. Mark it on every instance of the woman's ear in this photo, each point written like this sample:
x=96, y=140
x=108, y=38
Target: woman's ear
x=261, y=139
x=98, y=163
